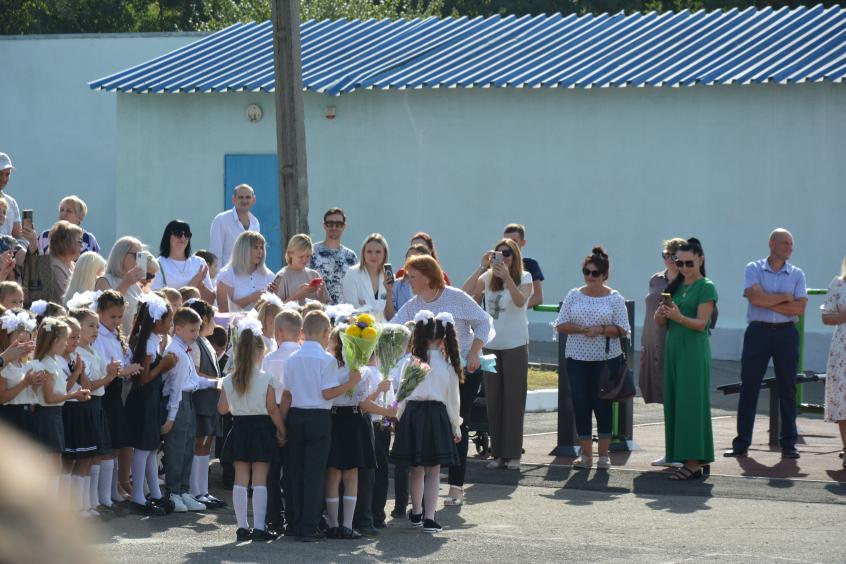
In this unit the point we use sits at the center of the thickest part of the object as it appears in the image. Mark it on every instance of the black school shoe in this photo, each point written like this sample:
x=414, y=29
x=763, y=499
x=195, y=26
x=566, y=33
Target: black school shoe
x=148, y=508
x=164, y=502
x=242, y=535
x=259, y=535
x=416, y=520
x=331, y=533
x=314, y=537
x=348, y=534
x=398, y=512
x=790, y=452
x=431, y=526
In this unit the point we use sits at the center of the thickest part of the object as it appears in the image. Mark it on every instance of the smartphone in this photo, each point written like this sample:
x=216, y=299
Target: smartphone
x=497, y=256
x=667, y=299
x=316, y=282
x=141, y=261
x=26, y=219
x=389, y=270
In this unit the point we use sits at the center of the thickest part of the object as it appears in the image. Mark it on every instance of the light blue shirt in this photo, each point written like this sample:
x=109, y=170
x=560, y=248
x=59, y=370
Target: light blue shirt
x=402, y=293
x=788, y=280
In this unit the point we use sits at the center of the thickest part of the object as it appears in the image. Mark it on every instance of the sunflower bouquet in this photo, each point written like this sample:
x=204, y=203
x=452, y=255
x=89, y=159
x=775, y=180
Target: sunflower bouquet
x=360, y=339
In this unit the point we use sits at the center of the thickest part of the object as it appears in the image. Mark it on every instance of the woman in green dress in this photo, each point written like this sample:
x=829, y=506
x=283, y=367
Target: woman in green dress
x=687, y=364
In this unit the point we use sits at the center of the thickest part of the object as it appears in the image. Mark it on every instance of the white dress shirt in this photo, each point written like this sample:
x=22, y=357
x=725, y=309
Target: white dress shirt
x=13, y=214
x=108, y=348
x=361, y=390
x=358, y=291
x=182, y=377
x=244, y=284
x=178, y=273
x=274, y=364
x=95, y=367
x=308, y=372
x=225, y=228
x=14, y=374
x=53, y=365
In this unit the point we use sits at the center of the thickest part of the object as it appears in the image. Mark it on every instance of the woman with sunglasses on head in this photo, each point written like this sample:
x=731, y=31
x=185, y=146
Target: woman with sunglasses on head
x=507, y=289
x=687, y=364
x=125, y=276
x=177, y=266
x=593, y=317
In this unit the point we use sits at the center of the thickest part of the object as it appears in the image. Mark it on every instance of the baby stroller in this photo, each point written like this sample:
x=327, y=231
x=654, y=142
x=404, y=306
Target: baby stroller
x=477, y=428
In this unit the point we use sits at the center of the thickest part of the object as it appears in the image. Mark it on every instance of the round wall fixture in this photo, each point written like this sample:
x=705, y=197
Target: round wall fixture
x=254, y=113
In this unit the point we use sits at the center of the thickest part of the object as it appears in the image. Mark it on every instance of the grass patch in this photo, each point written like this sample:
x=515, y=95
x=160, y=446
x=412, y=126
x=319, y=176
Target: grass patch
x=540, y=379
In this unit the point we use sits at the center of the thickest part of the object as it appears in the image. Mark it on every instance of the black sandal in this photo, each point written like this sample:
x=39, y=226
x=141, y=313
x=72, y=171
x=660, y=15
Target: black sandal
x=684, y=473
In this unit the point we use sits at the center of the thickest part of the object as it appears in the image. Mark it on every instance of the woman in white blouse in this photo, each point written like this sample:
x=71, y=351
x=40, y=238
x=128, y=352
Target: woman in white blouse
x=366, y=286
x=506, y=288
x=125, y=276
x=241, y=283
x=177, y=266
x=589, y=315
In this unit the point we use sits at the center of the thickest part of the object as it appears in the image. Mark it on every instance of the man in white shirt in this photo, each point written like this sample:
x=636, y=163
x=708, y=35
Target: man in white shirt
x=13, y=215
x=226, y=226
x=180, y=428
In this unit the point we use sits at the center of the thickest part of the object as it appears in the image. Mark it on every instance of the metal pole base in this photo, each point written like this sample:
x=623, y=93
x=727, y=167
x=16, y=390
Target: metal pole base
x=623, y=445
x=566, y=451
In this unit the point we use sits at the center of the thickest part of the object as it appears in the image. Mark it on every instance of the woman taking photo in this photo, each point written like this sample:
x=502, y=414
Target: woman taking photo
x=474, y=328
x=834, y=313
x=296, y=282
x=592, y=316
x=125, y=277
x=65, y=245
x=687, y=364
x=366, y=286
x=241, y=283
x=177, y=266
x=507, y=290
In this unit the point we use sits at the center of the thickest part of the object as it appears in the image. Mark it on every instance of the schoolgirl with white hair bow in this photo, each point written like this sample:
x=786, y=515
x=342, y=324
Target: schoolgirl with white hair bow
x=429, y=418
x=256, y=426
x=16, y=380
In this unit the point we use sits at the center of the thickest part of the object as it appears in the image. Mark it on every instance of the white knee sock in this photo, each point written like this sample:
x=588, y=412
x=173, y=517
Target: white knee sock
x=107, y=468
x=77, y=484
x=203, y=474
x=332, y=511
x=95, y=484
x=153, y=476
x=259, y=506
x=65, y=484
x=116, y=497
x=239, y=502
x=349, y=510
x=139, y=468
x=430, y=490
x=195, y=472
x=86, y=493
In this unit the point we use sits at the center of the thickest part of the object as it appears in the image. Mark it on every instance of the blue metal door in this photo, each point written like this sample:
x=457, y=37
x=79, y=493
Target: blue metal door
x=259, y=171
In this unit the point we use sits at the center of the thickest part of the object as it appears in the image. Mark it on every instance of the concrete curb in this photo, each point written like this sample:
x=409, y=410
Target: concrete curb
x=542, y=400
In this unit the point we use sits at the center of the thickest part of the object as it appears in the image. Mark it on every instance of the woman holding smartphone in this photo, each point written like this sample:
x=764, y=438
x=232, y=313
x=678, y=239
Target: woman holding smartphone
x=367, y=286
x=126, y=270
x=296, y=282
x=241, y=283
x=688, y=304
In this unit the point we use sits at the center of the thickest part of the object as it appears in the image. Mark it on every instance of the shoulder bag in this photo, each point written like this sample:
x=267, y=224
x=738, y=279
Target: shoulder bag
x=616, y=379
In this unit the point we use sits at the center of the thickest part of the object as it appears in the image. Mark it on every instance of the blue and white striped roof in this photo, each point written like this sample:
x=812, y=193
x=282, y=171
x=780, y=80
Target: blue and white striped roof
x=641, y=49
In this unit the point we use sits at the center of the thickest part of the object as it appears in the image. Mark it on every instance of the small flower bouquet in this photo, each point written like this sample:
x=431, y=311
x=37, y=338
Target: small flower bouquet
x=360, y=340
x=392, y=344
x=414, y=373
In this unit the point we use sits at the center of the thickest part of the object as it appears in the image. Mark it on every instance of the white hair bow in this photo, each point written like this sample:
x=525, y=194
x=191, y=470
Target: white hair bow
x=273, y=299
x=445, y=318
x=38, y=307
x=249, y=324
x=424, y=315
x=20, y=321
x=84, y=300
x=339, y=311
x=156, y=306
x=190, y=301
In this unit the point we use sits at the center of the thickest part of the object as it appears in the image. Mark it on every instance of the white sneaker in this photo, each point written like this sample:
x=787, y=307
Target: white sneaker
x=604, y=462
x=660, y=462
x=192, y=504
x=583, y=462
x=178, y=504
x=496, y=463
x=513, y=464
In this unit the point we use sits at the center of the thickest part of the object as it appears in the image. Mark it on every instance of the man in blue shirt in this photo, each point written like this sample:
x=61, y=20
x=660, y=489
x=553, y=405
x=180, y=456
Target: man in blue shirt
x=777, y=296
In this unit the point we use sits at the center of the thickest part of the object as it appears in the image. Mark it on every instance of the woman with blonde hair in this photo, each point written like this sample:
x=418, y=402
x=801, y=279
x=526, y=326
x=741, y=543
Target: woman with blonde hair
x=124, y=276
x=834, y=313
x=87, y=270
x=366, y=285
x=241, y=283
x=296, y=282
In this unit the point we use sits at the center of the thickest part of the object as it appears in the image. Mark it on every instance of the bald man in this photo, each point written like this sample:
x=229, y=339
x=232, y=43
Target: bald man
x=777, y=295
x=227, y=225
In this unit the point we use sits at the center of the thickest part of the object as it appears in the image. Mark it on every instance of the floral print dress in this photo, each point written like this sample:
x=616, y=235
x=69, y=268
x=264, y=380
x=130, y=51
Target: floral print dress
x=835, y=379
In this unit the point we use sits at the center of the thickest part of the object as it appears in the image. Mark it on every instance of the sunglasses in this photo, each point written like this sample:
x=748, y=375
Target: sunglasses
x=334, y=224
x=179, y=234
x=685, y=263
x=505, y=252
x=592, y=273
x=666, y=255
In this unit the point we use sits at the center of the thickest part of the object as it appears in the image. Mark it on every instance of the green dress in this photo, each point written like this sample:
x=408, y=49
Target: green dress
x=687, y=380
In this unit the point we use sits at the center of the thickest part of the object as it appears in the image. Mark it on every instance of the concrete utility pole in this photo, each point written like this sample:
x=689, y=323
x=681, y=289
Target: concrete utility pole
x=290, y=126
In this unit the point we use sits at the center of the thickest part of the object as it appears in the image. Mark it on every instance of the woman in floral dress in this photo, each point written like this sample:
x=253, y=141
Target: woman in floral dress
x=834, y=313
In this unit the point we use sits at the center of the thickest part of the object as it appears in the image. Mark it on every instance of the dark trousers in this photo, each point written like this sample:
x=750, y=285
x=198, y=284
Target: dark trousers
x=761, y=343
x=380, y=484
x=276, y=490
x=584, y=388
x=309, y=440
x=468, y=391
x=400, y=486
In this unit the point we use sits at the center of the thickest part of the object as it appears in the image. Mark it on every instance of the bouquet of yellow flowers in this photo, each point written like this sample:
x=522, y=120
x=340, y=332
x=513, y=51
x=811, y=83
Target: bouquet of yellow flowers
x=360, y=340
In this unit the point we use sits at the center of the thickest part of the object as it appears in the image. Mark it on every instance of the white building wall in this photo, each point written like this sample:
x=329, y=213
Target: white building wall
x=622, y=167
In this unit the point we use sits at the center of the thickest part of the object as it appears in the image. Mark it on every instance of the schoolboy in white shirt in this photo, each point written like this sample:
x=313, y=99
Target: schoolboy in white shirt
x=310, y=388
x=288, y=327
x=179, y=429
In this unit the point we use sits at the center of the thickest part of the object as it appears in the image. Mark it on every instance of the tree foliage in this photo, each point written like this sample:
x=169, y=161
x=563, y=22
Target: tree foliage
x=104, y=16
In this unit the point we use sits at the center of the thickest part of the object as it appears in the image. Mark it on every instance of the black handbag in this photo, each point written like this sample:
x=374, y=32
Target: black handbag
x=616, y=379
